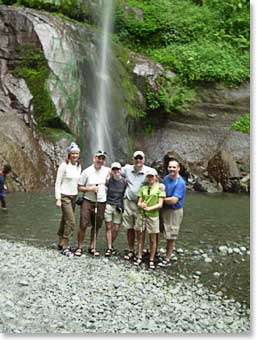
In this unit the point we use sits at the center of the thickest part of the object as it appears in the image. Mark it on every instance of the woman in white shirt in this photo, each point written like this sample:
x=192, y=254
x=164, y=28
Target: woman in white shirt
x=66, y=190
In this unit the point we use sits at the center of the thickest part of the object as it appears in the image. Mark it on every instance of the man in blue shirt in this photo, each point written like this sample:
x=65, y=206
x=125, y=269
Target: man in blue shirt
x=172, y=211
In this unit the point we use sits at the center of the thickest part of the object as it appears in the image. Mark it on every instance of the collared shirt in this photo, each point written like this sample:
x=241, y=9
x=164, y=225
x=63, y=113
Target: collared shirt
x=174, y=188
x=134, y=180
x=151, y=195
x=92, y=176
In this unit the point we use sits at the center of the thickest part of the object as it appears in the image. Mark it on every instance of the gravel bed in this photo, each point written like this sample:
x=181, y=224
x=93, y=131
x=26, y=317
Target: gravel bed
x=44, y=292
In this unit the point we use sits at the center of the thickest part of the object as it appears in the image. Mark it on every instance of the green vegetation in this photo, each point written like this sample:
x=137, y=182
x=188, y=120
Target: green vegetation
x=34, y=70
x=56, y=134
x=200, y=40
x=242, y=124
x=74, y=9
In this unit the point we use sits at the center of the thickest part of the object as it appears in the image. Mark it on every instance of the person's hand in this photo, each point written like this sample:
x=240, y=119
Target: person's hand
x=58, y=203
x=143, y=205
x=146, y=209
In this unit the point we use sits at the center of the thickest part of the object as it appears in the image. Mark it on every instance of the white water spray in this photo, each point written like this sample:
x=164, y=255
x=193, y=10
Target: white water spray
x=103, y=131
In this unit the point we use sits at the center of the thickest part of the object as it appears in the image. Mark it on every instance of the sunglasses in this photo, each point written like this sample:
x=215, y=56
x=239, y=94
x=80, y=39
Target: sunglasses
x=138, y=157
x=115, y=169
x=101, y=158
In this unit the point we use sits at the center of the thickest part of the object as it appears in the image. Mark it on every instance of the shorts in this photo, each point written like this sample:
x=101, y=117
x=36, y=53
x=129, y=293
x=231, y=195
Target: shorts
x=151, y=224
x=87, y=214
x=130, y=214
x=172, y=219
x=111, y=214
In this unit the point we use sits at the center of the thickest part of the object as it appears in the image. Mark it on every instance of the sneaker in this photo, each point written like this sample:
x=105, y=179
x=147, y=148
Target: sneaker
x=164, y=263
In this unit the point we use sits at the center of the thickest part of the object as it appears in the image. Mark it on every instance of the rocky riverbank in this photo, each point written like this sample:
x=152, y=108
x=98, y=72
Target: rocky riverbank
x=45, y=292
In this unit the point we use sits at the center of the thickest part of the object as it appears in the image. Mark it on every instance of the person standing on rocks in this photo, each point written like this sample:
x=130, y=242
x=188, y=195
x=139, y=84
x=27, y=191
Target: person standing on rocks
x=172, y=211
x=150, y=201
x=113, y=212
x=92, y=183
x=66, y=190
x=3, y=173
x=135, y=175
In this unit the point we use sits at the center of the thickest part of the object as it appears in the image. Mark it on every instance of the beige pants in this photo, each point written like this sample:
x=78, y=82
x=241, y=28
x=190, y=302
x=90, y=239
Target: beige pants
x=130, y=214
x=172, y=219
x=112, y=215
x=151, y=224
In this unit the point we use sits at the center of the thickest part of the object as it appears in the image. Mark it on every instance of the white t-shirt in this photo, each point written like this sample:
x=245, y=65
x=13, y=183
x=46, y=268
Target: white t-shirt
x=67, y=179
x=92, y=176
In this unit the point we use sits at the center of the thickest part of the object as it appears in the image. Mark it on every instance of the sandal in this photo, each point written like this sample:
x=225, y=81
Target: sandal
x=93, y=252
x=78, y=252
x=67, y=252
x=130, y=255
x=151, y=265
x=114, y=251
x=108, y=252
x=138, y=261
x=164, y=263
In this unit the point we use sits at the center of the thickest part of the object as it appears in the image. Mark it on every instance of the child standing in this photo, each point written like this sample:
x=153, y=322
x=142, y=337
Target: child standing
x=3, y=173
x=114, y=206
x=150, y=201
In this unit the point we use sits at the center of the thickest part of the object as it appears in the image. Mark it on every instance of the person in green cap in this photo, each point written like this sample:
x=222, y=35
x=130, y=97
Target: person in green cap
x=151, y=196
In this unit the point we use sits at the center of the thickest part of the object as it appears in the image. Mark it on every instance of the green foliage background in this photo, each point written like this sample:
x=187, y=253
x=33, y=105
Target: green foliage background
x=200, y=40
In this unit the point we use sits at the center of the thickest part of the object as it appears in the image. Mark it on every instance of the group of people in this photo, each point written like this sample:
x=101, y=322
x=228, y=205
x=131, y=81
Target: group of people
x=130, y=196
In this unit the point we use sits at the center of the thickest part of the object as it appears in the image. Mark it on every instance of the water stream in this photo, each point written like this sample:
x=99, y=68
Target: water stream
x=209, y=222
x=102, y=139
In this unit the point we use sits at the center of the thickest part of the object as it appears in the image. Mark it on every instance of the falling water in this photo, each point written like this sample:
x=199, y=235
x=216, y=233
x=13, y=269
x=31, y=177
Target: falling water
x=103, y=130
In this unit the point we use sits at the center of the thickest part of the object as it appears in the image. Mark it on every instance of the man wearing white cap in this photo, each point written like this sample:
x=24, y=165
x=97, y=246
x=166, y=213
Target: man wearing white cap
x=114, y=206
x=135, y=175
x=92, y=183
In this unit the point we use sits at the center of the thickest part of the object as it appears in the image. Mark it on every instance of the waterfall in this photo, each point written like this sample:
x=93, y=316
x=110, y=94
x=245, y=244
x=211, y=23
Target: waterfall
x=104, y=103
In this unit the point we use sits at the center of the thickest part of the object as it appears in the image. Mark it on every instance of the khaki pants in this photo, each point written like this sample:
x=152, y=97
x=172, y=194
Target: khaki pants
x=172, y=220
x=68, y=216
x=129, y=216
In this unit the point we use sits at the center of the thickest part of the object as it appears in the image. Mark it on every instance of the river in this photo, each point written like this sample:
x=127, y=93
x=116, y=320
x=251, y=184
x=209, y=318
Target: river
x=210, y=221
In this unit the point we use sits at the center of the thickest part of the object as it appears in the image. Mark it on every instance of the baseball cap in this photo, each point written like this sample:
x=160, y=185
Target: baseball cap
x=151, y=172
x=116, y=165
x=100, y=153
x=139, y=153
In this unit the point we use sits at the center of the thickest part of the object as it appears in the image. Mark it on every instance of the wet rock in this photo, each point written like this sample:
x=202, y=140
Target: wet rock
x=223, y=250
x=60, y=300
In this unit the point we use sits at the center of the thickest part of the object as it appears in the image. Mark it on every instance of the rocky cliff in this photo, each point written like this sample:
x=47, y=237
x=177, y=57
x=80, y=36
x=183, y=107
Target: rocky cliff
x=197, y=135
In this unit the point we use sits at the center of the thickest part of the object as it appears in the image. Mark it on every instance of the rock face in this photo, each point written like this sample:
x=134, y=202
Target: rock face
x=71, y=52
x=200, y=133
x=20, y=144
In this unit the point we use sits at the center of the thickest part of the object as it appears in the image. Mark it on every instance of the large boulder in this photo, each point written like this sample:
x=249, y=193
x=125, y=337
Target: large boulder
x=222, y=167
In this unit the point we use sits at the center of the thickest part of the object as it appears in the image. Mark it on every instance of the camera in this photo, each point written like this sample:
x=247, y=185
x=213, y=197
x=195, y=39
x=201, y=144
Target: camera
x=119, y=209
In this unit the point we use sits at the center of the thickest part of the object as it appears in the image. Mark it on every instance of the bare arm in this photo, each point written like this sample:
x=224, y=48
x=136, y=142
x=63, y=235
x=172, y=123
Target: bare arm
x=91, y=188
x=156, y=206
x=171, y=200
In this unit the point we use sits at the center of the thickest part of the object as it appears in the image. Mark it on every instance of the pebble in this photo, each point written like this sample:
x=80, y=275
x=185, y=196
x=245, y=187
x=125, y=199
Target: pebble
x=89, y=295
x=216, y=274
